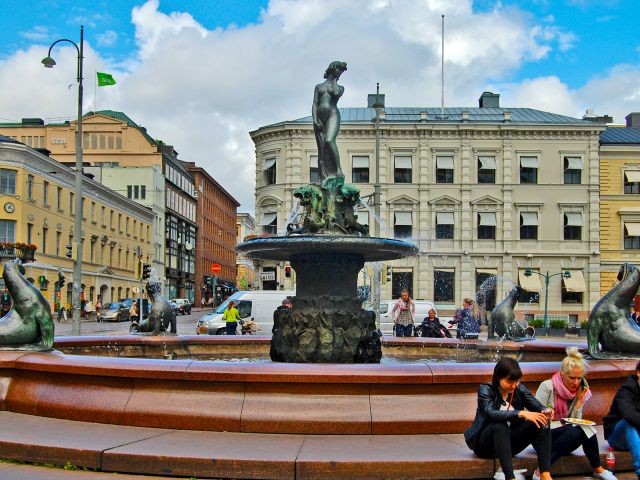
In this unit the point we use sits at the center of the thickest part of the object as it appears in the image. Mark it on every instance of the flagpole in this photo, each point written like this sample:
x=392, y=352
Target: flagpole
x=442, y=72
x=95, y=88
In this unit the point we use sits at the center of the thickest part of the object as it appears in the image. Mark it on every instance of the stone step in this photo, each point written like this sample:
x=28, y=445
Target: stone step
x=191, y=453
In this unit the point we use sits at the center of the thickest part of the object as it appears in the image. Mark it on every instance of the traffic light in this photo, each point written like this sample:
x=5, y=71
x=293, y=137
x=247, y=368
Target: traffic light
x=287, y=271
x=146, y=271
x=387, y=272
x=208, y=281
x=69, y=248
x=61, y=280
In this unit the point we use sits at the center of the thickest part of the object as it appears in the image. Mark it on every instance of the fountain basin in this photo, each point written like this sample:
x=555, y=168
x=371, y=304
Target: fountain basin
x=432, y=397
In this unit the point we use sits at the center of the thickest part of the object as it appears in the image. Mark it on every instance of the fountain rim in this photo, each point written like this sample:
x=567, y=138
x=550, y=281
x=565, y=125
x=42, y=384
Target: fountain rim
x=372, y=249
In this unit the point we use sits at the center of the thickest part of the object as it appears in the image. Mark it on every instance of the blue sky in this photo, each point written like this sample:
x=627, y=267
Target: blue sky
x=202, y=74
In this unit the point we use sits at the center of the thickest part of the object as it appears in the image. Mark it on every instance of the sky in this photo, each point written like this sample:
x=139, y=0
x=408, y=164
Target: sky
x=200, y=75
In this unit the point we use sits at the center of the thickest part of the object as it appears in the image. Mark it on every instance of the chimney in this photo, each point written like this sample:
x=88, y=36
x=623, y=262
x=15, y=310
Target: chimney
x=633, y=120
x=489, y=100
x=590, y=116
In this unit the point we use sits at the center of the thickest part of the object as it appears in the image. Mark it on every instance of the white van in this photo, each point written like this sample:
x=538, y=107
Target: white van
x=386, y=320
x=257, y=305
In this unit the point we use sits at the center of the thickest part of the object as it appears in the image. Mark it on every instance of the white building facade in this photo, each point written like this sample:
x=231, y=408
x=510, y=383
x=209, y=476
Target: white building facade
x=483, y=192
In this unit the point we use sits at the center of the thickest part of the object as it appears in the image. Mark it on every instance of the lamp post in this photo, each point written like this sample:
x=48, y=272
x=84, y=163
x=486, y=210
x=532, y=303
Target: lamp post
x=49, y=62
x=566, y=274
x=375, y=287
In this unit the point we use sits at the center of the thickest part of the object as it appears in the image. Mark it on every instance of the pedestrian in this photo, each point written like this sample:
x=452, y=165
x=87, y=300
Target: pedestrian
x=431, y=326
x=634, y=316
x=201, y=302
x=231, y=317
x=6, y=301
x=566, y=393
x=403, y=313
x=61, y=314
x=133, y=311
x=622, y=423
x=508, y=419
x=467, y=322
x=285, y=305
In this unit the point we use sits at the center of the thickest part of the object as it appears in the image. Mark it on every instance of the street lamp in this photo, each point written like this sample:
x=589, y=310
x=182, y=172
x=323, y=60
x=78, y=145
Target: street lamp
x=375, y=290
x=49, y=62
x=566, y=274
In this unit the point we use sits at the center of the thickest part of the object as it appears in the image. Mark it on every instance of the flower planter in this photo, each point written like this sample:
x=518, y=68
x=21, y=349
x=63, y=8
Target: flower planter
x=557, y=332
x=7, y=252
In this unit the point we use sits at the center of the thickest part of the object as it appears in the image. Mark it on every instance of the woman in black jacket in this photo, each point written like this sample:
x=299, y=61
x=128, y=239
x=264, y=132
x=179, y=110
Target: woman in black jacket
x=622, y=423
x=502, y=427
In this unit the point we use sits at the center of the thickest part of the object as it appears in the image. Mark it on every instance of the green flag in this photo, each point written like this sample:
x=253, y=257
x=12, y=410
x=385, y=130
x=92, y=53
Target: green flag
x=105, y=79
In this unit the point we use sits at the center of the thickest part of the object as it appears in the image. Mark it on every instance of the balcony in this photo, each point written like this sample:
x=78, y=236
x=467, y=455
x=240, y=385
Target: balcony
x=23, y=251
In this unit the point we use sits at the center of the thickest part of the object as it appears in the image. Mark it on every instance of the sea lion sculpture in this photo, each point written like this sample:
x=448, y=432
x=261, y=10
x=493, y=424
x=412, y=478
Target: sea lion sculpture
x=503, y=319
x=29, y=324
x=610, y=331
x=161, y=316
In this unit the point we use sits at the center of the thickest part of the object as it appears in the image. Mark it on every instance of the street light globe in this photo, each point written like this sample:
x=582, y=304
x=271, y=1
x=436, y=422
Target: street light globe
x=48, y=62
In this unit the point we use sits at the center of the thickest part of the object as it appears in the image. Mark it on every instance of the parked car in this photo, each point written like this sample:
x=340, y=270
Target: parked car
x=113, y=312
x=256, y=305
x=184, y=305
x=146, y=306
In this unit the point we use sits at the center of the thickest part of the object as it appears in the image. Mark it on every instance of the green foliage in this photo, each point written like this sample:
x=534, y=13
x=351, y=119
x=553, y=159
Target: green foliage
x=557, y=324
x=70, y=466
x=536, y=323
x=584, y=324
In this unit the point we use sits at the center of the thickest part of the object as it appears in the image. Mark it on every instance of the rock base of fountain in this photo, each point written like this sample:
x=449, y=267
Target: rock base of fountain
x=325, y=329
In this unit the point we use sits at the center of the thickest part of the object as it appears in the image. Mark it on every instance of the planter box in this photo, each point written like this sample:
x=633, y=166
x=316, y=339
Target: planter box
x=557, y=332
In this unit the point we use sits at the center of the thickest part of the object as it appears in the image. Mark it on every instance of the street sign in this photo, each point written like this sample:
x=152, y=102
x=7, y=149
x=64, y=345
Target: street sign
x=216, y=268
x=267, y=276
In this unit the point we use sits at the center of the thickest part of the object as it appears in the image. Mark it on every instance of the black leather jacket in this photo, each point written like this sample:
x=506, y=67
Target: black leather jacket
x=489, y=403
x=625, y=405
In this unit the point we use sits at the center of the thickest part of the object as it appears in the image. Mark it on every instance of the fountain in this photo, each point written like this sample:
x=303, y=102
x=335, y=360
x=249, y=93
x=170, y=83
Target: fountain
x=327, y=248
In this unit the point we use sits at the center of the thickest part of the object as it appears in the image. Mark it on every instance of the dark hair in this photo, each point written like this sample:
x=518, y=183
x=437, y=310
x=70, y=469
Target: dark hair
x=342, y=66
x=506, y=367
x=638, y=366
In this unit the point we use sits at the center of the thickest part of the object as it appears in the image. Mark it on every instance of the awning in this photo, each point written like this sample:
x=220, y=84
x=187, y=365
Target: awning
x=633, y=229
x=269, y=218
x=530, y=284
x=573, y=219
x=268, y=163
x=360, y=162
x=529, y=162
x=363, y=217
x=403, y=218
x=313, y=161
x=403, y=162
x=529, y=218
x=574, y=163
x=575, y=283
x=633, y=176
x=488, y=219
x=487, y=163
x=444, y=218
x=445, y=163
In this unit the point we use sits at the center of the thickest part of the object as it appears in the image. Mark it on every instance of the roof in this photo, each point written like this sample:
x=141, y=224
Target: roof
x=4, y=139
x=454, y=115
x=121, y=116
x=618, y=135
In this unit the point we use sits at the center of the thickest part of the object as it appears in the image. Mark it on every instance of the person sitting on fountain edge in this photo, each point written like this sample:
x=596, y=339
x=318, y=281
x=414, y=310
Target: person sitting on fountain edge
x=622, y=423
x=231, y=317
x=466, y=320
x=508, y=419
x=567, y=392
x=403, y=314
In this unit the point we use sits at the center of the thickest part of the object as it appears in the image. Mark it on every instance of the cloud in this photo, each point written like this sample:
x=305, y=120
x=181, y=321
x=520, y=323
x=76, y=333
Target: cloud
x=107, y=38
x=38, y=34
x=203, y=90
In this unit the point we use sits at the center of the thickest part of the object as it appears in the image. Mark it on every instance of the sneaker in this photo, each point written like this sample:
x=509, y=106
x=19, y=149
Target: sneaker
x=604, y=475
x=518, y=474
x=535, y=476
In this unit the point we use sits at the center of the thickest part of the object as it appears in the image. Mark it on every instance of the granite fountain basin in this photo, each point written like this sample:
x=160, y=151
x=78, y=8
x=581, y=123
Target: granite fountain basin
x=128, y=381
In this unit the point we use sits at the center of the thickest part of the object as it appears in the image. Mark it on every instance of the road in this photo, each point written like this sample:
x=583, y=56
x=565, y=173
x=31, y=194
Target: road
x=186, y=325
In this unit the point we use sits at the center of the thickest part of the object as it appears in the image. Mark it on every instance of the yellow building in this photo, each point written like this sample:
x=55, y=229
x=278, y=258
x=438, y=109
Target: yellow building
x=37, y=207
x=619, y=199
x=245, y=270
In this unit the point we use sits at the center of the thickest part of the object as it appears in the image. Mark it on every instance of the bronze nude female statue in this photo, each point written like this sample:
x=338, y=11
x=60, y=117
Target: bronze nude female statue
x=326, y=120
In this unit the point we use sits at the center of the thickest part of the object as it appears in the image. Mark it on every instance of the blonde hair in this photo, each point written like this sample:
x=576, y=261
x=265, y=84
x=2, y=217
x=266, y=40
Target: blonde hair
x=574, y=359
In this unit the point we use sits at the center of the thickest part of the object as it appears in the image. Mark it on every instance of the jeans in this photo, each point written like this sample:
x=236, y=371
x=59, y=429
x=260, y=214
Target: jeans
x=231, y=328
x=503, y=441
x=404, y=330
x=626, y=437
x=567, y=438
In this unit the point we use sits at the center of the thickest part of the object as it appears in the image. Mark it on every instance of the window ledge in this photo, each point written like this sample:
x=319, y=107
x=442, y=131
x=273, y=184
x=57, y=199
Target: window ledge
x=93, y=222
x=46, y=205
x=61, y=210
